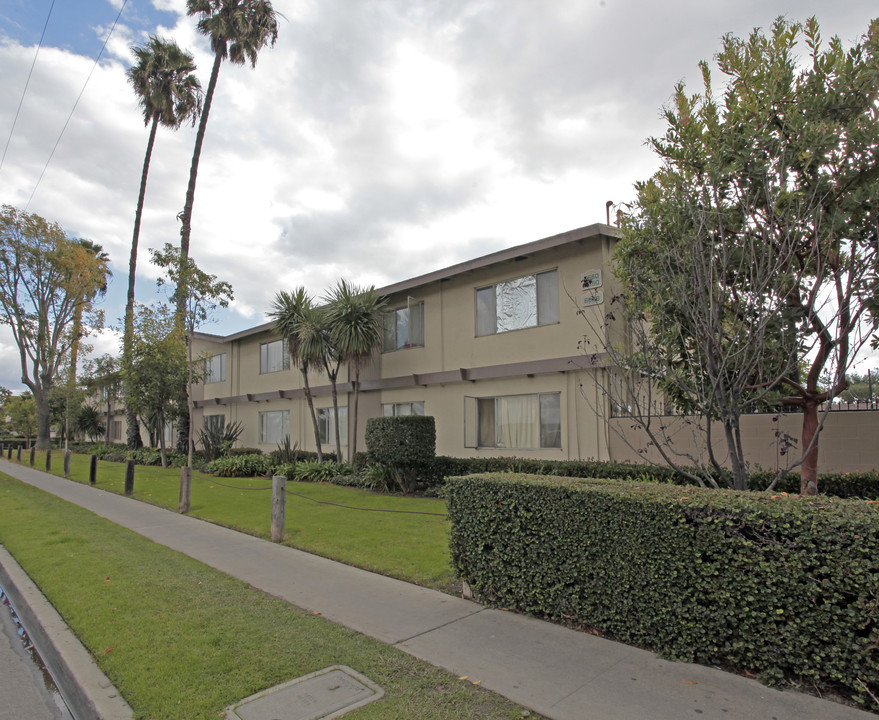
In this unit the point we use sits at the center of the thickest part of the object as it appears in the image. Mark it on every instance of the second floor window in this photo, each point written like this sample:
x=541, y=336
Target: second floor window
x=273, y=357
x=404, y=328
x=215, y=368
x=515, y=304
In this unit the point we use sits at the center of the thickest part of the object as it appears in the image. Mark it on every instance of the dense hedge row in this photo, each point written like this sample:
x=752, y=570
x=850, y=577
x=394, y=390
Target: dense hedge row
x=864, y=484
x=782, y=587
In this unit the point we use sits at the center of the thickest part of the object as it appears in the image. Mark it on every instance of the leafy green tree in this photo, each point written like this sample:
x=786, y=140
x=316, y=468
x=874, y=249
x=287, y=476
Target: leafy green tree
x=355, y=317
x=155, y=380
x=169, y=94
x=21, y=414
x=46, y=280
x=754, y=246
x=238, y=30
x=296, y=317
x=204, y=293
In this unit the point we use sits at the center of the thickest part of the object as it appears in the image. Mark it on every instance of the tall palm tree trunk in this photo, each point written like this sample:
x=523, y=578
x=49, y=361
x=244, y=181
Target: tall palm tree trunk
x=320, y=454
x=186, y=223
x=133, y=430
x=186, y=215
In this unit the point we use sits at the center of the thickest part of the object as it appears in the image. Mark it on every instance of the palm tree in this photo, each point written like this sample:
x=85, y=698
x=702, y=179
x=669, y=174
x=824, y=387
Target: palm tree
x=238, y=29
x=295, y=318
x=355, y=318
x=169, y=94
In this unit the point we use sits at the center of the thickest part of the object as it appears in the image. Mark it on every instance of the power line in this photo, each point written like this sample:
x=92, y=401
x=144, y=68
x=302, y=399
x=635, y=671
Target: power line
x=73, y=109
x=24, y=92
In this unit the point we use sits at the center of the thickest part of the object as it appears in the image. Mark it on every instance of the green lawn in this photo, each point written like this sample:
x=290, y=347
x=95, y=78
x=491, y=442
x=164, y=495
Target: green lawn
x=414, y=548
x=181, y=641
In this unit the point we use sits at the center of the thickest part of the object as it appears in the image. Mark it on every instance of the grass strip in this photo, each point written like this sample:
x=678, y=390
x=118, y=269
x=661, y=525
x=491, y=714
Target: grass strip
x=182, y=640
x=414, y=548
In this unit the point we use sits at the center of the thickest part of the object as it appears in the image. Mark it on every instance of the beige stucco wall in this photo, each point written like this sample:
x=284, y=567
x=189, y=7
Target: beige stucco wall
x=849, y=441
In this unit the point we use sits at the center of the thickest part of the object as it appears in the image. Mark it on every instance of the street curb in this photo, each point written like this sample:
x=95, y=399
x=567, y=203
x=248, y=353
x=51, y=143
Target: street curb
x=89, y=694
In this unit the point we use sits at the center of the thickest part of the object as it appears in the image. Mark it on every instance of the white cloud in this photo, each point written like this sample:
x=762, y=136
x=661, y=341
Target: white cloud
x=375, y=141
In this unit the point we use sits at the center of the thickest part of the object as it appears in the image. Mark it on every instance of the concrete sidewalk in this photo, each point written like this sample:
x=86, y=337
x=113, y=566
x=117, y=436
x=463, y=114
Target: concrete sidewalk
x=560, y=673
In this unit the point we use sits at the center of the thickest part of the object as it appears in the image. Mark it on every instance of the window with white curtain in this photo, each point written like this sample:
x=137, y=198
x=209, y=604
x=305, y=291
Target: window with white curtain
x=404, y=327
x=516, y=304
x=274, y=426
x=326, y=426
x=273, y=356
x=514, y=421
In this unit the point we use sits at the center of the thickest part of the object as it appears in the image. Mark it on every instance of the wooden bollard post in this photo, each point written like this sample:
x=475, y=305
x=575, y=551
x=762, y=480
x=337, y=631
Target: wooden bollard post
x=185, y=490
x=33, y=454
x=129, y=477
x=9, y=453
x=279, y=507
x=67, y=464
x=49, y=460
x=93, y=469
x=18, y=454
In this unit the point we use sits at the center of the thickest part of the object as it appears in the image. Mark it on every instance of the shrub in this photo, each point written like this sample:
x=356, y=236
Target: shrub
x=240, y=465
x=286, y=453
x=406, y=444
x=783, y=587
x=217, y=441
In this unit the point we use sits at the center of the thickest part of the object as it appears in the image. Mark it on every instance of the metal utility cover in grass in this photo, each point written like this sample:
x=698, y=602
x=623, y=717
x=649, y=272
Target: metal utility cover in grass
x=322, y=695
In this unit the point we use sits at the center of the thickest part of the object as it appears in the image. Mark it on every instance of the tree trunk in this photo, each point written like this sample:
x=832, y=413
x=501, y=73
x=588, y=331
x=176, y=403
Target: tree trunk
x=109, y=418
x=352, y=441
x=133, y=439
x=320, y=455
x=809, y=468
x=186, y=215
x=43, y=420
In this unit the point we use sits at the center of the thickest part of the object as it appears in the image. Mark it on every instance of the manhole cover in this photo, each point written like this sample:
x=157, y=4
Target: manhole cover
x=322, y=695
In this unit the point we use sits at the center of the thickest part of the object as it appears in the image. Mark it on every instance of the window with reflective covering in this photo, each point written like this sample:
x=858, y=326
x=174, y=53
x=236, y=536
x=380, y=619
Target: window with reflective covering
x=525, y=302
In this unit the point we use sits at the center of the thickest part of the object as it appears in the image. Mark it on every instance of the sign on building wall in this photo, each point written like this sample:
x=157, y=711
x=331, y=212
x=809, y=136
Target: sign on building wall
x=590, y=281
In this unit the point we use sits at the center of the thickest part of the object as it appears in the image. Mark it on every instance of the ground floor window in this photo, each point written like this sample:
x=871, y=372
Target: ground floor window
x=327, y=426
x=523, y=422
x=407, y=408
x=168, y=433
x=274, y=426
x=116, y=430
x=214, y=423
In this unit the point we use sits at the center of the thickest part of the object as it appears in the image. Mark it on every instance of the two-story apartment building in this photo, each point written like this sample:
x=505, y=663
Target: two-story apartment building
x=489, y=347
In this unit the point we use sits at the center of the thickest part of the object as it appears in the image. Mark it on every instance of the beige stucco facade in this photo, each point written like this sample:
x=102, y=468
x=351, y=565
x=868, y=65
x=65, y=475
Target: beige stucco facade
x=455, y=368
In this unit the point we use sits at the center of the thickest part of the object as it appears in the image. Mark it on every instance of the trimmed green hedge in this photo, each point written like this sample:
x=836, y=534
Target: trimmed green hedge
x=240, y=465
x=863, y=484
x=406, y=444
x=783, y=587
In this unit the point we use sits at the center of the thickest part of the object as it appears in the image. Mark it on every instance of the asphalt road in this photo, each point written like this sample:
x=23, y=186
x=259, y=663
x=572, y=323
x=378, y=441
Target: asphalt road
x=23, y=691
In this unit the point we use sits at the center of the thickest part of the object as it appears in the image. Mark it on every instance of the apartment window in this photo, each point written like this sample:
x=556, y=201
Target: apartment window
x=274, y=426
x=327, y=426
x=407, y=408
x=524, y=422
x=116, y=430
x=215, y=368
x=404, y=327
x=273, y=356
x=168, y=434
x=515, y=304
x=214, y=423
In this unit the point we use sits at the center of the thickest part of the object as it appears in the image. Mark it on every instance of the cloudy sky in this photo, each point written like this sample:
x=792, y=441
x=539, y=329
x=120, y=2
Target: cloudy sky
x=378, y=139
